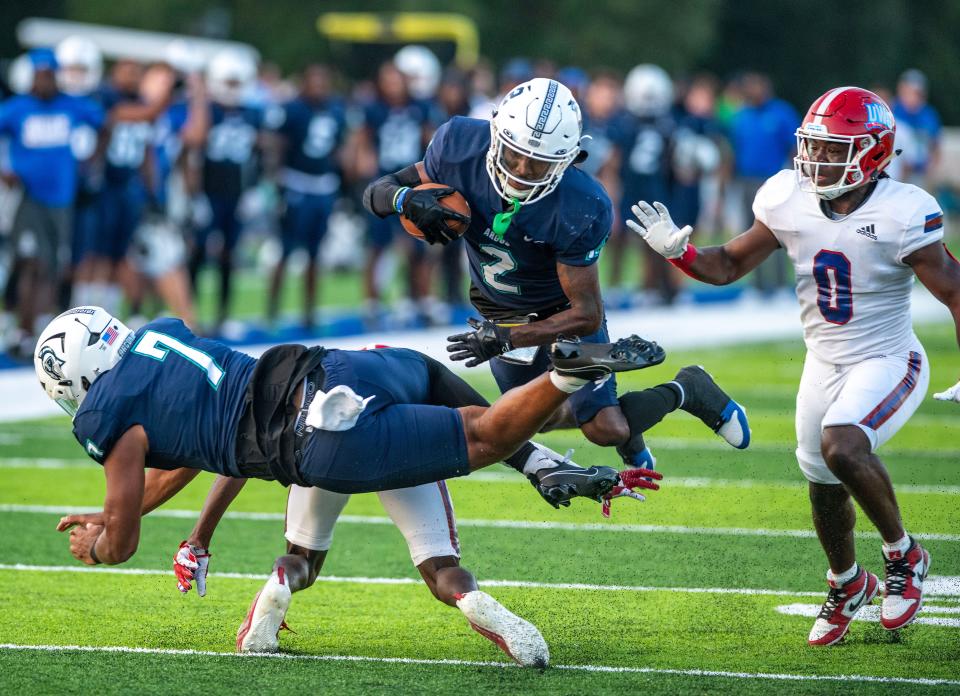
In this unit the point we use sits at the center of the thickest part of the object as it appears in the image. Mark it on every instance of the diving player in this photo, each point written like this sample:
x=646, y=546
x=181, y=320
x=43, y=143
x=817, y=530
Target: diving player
x=857, y=239
x=535, y=234
x=163, y=398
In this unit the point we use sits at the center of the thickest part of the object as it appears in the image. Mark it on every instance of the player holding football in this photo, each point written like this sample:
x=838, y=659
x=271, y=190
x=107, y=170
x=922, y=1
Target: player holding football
x=536, y=229
x=857, y=239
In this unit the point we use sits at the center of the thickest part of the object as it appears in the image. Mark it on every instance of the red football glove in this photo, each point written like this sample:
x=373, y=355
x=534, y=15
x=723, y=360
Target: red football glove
x=190, y=563
x=631, y=479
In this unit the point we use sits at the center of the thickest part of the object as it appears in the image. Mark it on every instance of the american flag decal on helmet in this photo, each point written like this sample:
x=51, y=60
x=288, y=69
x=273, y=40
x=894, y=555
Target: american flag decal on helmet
x=109, y=336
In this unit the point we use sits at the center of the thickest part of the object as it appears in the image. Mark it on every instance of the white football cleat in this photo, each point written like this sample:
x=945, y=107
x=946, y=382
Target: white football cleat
x=518, y=638
x=258, y=632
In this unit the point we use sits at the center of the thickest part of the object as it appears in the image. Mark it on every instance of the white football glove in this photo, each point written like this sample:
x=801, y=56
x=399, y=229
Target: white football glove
x=658, y=230
x=951, y=394
x=190, y=563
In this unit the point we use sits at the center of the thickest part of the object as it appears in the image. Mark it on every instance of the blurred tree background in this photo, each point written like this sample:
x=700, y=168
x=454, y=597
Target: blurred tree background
x=806, y=47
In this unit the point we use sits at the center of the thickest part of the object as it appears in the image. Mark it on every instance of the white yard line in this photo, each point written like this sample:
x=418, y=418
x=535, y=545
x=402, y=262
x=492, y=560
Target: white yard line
x=941, y=587
x=495, y=524
x=478, y=663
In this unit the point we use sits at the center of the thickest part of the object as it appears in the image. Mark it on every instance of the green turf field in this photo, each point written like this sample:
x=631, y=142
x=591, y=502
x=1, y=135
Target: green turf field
x=702, y=589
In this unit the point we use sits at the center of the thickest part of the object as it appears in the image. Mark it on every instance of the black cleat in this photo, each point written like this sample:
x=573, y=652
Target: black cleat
x=558, y=485
x=593, y=361
x=708, y=402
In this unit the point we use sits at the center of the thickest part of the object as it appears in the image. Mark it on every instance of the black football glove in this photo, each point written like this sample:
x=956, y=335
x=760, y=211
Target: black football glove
x=488, y=341
x=422, y=208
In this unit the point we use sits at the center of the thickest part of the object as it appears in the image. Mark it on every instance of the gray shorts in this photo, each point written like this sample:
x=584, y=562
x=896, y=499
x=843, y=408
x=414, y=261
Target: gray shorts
x=42, y=233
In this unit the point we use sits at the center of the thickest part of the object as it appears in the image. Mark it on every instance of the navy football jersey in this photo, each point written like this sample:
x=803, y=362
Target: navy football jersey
x=313, y=131
x=598, y=145
x=519, y=272
x=645, y=145
x=128, y=143
x=397, y=133
x=229, y=162
x=186, y=392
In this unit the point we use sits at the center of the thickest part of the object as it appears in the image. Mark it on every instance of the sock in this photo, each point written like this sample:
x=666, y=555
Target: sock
x=541, y=458
x=898, y=547
x=643, y=410
x=518, y=459
x=844, y=577
x=565, y=383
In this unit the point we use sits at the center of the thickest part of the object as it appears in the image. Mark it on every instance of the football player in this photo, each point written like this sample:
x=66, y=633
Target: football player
x=423, y=514
x=164, y=398
x=856, y=239
x=312, y=129
x=535, y=233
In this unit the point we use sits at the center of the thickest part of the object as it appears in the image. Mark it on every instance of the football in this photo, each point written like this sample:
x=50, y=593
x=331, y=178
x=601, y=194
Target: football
x=455, y=201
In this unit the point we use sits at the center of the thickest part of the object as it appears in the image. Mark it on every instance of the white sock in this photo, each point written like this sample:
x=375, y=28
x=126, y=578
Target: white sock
x=844, y=577
x=903, y=545
x=565, y=383
x=541, y=458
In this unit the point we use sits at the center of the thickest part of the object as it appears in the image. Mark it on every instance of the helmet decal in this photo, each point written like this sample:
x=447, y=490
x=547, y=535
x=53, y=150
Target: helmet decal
x=52, y=364
x=545, y=110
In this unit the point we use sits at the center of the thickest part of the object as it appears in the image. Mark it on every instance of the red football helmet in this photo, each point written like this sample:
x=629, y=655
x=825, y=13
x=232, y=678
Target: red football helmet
x=856, y=117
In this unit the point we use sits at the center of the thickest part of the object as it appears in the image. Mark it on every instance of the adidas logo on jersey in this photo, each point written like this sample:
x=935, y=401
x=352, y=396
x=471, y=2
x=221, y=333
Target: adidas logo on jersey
x=867, y=231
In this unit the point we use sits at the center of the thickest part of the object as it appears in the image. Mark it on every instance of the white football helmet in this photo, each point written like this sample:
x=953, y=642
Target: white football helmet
x=421, y=68
x=75, y=349
x=538, y=120
x=648, y=91
x=80, y=65
x=20, y=74
x=230, y=75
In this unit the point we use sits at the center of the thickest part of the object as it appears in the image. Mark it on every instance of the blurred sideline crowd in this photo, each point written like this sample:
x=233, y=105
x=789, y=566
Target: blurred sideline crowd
x=122, y=181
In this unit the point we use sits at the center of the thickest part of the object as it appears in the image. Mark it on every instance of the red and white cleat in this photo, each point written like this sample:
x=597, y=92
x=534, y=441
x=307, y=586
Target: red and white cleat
x=843, y=603
x=258, y=632
x=518, y=638
x=903, y=586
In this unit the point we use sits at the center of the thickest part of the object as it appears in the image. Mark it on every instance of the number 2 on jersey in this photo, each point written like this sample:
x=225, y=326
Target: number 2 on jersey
x=831, y=270
x=156, y=345
x=493, y=271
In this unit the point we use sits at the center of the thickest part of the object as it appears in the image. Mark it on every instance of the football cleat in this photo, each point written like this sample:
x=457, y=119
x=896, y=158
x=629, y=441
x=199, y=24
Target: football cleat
x=708, y=402
x=903, y=585
x=643, y=459
x=843, y=603
x=518, y=638
x=593, y=361
x=565, y=481
x=258, y=632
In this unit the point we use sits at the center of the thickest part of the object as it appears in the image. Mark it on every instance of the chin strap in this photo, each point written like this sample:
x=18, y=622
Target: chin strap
x=501, y=221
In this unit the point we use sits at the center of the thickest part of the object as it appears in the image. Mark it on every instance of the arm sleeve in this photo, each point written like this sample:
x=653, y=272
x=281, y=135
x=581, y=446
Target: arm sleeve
x=584, y=248
x=433, y=159
x=924, y=227
x=97, y=432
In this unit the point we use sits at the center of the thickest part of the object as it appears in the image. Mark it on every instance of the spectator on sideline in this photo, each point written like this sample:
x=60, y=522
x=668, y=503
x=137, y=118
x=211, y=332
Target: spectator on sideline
x=915, y=117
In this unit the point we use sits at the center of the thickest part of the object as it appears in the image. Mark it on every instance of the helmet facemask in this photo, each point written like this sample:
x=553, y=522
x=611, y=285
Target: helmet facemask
x=859, y=149
x=545, y=170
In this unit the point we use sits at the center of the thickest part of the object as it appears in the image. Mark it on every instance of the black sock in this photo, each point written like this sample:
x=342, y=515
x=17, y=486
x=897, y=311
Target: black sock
x=643, y=410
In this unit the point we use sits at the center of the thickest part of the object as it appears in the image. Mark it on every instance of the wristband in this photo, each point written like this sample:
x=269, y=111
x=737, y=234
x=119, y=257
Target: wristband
x=93, y=550
x=398, y=199
x=685, y=260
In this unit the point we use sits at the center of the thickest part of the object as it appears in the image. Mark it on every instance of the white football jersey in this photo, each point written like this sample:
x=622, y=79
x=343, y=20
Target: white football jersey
x=853, y=286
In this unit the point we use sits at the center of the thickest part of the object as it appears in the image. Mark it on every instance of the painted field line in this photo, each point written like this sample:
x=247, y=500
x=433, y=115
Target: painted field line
x=493, y=524
x=477, y=663
x=359, y=580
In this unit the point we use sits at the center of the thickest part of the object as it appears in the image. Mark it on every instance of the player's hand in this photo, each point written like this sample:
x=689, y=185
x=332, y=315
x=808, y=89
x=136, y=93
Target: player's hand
x=630, y=480
x=951, y=394
x=658, y=230
x=422, y=208
x=190, y=563
x=68, y=521
x=488, y=340
x=82, y=539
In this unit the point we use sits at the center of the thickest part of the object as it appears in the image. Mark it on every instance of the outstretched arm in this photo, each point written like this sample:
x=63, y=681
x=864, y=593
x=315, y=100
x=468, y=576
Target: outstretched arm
x=719, y=265
x=939, y=271
x=222, y=493
x=116, y=538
